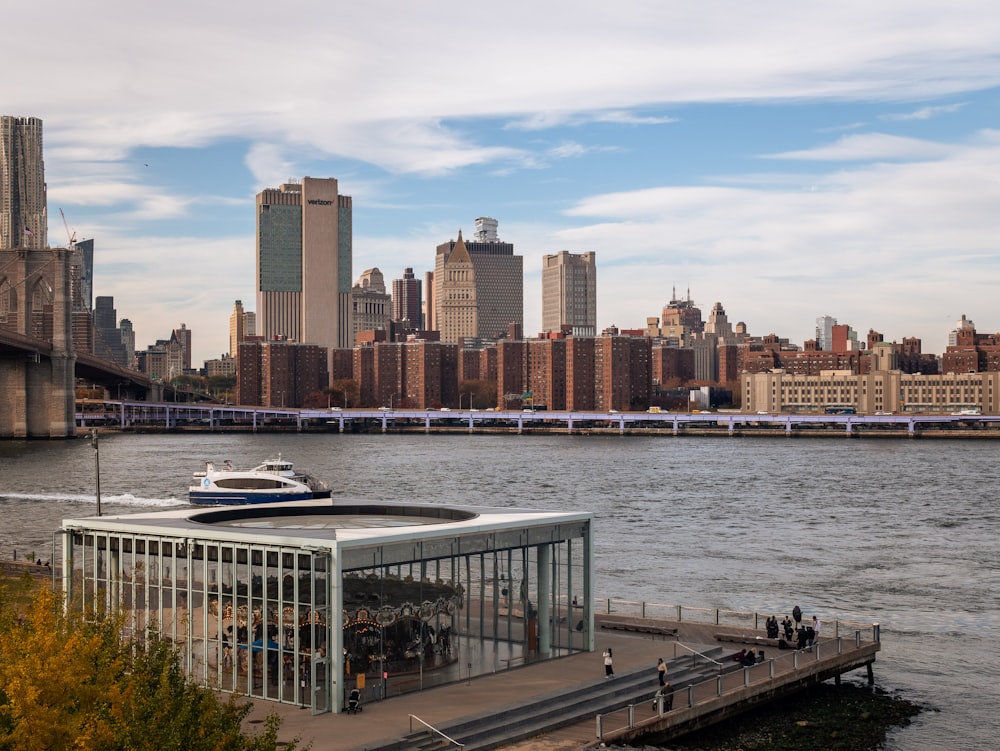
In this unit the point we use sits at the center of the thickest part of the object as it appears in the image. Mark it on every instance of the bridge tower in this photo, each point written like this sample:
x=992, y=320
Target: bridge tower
x=37, y=370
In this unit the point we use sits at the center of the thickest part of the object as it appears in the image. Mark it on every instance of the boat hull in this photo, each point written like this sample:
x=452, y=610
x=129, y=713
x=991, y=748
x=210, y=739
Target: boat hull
x=222, y=498
x=273, y=481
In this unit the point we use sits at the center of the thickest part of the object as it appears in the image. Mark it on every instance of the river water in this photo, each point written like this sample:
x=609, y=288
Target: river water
x=896, y=531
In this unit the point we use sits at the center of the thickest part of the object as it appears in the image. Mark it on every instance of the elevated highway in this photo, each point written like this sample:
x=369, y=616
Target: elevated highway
x=125, y=415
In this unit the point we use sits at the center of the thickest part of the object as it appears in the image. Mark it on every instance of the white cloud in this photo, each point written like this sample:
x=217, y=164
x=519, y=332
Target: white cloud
x=571, y=149
x=546, y=120
x=879, y=146
x=345, y=81
x=925, y=113
x=874, y=246
x=215, y=273
x=391, y=89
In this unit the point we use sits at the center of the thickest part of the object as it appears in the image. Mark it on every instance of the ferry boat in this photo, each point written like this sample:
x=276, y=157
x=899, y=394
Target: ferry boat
x=269, y=482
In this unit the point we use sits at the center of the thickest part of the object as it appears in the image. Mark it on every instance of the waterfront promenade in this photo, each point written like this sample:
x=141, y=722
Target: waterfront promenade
x=506, y=708
x=459, y=709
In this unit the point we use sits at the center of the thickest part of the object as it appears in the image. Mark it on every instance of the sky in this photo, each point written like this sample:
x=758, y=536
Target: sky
x=789, y=160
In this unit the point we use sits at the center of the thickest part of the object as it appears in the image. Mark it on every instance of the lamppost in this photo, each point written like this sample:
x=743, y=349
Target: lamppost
x=97, y=468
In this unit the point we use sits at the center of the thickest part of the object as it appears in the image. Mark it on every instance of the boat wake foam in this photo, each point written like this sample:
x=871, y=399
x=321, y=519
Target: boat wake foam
x=124, y=499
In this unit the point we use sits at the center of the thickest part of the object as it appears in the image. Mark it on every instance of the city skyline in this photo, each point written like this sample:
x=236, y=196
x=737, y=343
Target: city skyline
x=788, y=161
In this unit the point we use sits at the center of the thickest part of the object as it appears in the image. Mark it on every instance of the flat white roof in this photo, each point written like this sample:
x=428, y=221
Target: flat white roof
x=325, y=523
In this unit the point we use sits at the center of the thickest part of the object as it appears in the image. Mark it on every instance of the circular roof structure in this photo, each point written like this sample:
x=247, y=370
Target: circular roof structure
x=341, y=516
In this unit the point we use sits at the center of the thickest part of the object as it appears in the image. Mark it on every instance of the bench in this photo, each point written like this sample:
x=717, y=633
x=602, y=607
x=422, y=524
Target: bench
x=640, y=628
x=757, y=641
x=748, y=639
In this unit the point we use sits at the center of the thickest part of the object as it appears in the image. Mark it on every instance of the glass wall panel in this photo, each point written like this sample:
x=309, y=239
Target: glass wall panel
x=257, y=619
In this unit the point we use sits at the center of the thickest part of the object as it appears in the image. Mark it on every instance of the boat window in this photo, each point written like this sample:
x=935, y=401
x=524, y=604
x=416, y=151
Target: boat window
x=251, y=483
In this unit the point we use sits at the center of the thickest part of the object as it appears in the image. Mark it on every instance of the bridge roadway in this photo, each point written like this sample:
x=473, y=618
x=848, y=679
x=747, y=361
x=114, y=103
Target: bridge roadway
x=521, y=691
x=126, y=415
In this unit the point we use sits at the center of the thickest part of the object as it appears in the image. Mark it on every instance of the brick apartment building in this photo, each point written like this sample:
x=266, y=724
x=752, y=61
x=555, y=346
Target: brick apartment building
x=280, y=374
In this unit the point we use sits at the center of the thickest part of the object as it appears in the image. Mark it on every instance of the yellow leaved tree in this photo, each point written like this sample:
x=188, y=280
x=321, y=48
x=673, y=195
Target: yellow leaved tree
x=72, y=682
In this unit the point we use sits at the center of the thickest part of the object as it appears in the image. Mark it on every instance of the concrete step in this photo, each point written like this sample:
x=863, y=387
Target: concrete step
x=585, y=701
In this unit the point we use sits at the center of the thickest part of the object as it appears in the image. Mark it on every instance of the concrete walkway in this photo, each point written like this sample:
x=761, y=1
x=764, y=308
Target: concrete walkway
x=382, y=722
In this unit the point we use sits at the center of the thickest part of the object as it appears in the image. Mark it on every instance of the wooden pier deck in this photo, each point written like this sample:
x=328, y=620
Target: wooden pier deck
x=567, y=703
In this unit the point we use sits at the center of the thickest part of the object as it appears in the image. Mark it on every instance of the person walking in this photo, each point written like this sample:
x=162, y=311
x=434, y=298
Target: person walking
x=609, y=670
x=661, y=671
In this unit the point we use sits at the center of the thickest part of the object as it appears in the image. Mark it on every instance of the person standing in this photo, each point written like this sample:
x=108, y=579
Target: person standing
x=797, y=615
x=817, y=623
x=609, y=670
x=661, y=671
x=666, y=693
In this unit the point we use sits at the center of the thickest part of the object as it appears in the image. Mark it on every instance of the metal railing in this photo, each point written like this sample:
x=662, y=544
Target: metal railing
x=734, y=681
x=695, y=654
x=434, y=730
x=720, y=617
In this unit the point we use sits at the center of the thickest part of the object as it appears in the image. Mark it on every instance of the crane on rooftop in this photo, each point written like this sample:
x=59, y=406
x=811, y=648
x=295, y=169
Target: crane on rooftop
x=70, y=235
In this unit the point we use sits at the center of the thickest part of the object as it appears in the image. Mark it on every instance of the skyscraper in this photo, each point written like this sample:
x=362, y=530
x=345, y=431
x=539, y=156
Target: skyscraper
x=128, y=341
x=23, y=213
x=304, y=251
x=458, y=314
x=242, y=324
x=718, y=324
x=681, y=318
x=86, y=249
x=111, y=345
x=569, y=293
x=406, y=301
x=183, y=336
x=370, y=305
x=497, y=284
x=824, y=332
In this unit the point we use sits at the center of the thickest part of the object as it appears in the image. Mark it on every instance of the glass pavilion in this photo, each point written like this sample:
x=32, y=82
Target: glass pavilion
x=302, y=602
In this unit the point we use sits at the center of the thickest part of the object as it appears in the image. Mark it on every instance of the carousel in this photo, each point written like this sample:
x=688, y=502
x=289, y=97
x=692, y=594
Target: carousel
x=400, y=638
x=305, y=602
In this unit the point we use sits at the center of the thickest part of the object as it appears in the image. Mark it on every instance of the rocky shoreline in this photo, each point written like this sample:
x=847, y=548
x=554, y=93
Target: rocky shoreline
x=834, y=718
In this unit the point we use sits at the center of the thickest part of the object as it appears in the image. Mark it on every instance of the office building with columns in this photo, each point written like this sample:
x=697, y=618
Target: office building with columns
x=569, y=293
x=370, y=304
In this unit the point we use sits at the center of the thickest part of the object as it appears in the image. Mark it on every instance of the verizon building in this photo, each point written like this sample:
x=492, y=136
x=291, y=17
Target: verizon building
x=304, y=251
x=23, y=213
